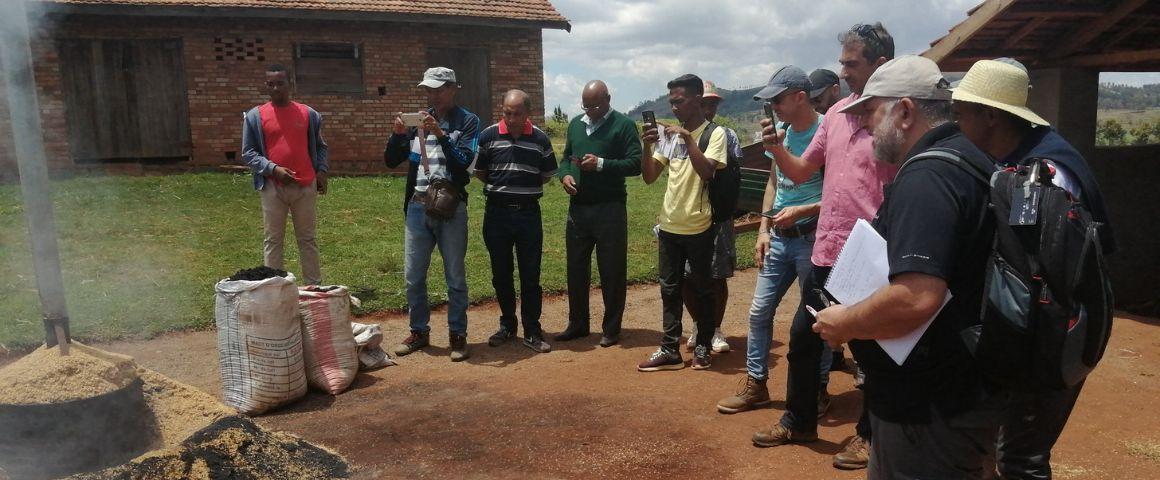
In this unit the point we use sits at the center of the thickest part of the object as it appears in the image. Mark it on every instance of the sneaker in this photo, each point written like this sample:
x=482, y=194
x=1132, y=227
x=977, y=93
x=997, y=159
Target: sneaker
x=719, y=343
x=779, y=435
x=752, y=395
x=701, y=358
x=537, y=344
x=856, y=454
x=823, y=402
x=500, y=337
x=413, y=343
x=459, y=348
x=662, y=360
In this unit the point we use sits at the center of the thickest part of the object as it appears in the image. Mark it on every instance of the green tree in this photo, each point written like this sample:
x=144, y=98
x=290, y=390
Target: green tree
x=1111, y=133
x=559, y=116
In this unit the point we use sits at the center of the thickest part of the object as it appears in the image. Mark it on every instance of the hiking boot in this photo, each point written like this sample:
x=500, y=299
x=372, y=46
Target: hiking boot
x=779, y=435
x=701, y=358
x=856, y=454
x=500, y=337
x=823, y=402
x=413, y=343
x=719, y=343
x=459, y=348
x=537, y=343
x=609, y=340
x=662, y=360
x=753, y=395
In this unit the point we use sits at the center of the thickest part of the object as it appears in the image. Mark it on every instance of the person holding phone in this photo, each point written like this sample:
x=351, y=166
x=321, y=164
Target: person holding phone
x=685, y=219
x=441, y=147
x=852, y=189
x=785, y=239
x=602, y=148
x=282, y=143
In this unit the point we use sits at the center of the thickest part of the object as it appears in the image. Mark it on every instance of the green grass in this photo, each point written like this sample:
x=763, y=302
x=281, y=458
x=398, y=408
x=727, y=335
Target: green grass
x=140, y=255
x=1129, y=118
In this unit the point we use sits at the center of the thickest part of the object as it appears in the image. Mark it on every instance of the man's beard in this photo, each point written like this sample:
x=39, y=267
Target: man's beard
x=888, y=142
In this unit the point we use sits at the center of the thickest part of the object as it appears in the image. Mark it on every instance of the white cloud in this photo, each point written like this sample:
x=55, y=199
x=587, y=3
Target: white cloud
x=638, y=45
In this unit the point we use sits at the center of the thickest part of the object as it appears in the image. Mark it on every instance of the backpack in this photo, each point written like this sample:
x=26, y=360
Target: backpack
x=1047, y=298
x=725, y=186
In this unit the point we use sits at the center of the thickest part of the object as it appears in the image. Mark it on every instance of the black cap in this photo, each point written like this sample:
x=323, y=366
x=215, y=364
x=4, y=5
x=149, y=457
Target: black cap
x=785, y=78
x=821, y=79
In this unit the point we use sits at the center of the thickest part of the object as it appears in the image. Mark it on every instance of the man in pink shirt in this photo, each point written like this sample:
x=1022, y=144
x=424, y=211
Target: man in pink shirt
x=851, y=189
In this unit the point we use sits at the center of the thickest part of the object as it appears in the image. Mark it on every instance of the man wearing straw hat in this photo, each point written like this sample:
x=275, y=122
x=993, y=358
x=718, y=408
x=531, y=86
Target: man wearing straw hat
x=990, y=104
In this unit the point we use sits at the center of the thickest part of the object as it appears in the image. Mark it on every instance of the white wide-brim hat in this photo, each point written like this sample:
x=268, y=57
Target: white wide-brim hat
x=998, y=85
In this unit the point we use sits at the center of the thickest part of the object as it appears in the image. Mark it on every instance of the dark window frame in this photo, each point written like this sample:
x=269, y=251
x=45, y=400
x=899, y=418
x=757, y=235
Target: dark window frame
x=316, y=63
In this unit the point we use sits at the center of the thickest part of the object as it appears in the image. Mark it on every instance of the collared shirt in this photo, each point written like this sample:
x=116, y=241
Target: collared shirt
x=686, y=209
x=852, y=183
x=516, y=167
x=590, y=127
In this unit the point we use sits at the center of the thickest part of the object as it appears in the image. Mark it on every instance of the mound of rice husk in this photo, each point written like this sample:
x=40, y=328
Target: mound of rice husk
x=47, y=377
x=178, y=409
x=235, y=448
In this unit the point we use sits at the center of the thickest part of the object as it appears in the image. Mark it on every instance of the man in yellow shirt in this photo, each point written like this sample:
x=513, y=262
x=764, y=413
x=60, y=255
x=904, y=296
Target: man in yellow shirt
x=685, y=218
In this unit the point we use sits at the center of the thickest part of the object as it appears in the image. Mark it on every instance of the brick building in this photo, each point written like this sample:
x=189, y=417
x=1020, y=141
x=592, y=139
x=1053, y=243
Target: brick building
x=160, y=85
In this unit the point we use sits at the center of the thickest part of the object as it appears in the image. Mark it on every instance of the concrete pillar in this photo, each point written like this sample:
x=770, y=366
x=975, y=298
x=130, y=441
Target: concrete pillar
x=1067, y=98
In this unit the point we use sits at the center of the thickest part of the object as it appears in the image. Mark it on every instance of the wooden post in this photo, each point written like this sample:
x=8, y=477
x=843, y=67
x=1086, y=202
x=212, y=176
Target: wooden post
x=23, y=107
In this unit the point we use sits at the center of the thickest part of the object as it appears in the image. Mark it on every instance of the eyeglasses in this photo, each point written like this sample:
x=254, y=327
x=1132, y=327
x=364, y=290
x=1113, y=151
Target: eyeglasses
x=589, y=109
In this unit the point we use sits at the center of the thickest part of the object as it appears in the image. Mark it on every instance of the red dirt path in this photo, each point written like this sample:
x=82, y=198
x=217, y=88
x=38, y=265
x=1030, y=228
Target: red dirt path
x=584, y=411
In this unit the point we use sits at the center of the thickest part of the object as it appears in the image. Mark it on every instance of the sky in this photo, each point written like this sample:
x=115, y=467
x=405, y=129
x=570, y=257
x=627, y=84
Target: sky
x=636, y=46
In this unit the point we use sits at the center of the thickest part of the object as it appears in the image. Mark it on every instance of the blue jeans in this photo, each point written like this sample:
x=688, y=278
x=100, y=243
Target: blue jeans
x=423, y=235
x=786, y=260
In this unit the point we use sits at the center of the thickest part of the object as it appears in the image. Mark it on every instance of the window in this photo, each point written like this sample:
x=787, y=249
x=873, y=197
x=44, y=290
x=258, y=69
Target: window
x=334, y=68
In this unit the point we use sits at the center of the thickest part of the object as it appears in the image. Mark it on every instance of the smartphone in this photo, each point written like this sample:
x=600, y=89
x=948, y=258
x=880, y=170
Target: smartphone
x=770, y=213
x=769, y=113
x=411, y=119
x=650, y=119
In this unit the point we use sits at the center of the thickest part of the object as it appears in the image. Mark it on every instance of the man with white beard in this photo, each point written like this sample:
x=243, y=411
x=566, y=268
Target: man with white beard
x=930, y=416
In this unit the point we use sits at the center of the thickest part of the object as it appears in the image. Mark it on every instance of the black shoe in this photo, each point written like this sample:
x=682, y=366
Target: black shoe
x=537, y=344
x=500, y=337
x=609, y=340
x=570, y=334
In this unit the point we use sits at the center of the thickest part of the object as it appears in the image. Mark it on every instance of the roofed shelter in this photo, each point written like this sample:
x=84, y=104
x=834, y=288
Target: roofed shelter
x=1065, y=45
x=142, y=85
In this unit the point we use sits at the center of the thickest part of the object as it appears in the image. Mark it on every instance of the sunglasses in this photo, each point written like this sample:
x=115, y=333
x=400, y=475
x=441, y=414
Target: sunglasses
x=868, y=33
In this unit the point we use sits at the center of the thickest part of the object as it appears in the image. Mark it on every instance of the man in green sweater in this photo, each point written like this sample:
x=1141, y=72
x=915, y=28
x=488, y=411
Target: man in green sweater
x=602, y=147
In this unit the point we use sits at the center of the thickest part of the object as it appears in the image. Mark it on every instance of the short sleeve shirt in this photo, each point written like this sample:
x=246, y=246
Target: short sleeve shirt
x=686, y=209
x=853, y=181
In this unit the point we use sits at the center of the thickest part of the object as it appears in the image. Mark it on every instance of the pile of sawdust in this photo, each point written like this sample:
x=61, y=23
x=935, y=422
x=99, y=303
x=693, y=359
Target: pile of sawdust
x=233, y=447
x=46, y=377
x=179, y=409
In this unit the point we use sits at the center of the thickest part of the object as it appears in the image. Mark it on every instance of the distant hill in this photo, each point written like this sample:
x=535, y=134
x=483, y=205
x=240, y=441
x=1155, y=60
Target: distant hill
x=735, y=103
x=1126, y=97
x=740, y=104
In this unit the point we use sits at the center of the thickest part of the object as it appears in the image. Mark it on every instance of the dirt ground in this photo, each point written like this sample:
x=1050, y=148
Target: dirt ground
x=584, y=411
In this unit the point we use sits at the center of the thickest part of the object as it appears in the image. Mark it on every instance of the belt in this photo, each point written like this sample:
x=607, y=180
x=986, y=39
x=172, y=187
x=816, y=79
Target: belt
x=795, y=231
x=513, y=206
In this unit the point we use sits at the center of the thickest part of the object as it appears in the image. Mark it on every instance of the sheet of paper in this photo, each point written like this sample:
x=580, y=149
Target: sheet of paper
x=863, y=268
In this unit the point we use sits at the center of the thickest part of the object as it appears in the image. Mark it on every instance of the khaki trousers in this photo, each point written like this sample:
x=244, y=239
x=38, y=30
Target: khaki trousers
x=298, y=201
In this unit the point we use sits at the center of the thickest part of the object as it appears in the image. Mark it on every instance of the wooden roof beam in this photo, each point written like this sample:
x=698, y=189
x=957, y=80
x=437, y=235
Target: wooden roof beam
x=1103, y=60
x=1141, y=22
x=966, y=29
x=1084, y=34
x=1026, y=9
x=1023, y=31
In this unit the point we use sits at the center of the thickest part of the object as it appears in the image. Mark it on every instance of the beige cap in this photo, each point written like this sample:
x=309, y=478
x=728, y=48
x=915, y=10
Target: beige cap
x=909, y=76
x=999, y=85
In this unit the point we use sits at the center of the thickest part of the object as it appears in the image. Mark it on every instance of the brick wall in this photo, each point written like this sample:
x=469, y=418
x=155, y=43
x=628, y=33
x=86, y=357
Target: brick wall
x=219, y=91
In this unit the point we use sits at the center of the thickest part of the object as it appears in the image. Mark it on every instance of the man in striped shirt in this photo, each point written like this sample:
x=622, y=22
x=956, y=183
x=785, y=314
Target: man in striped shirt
x=514, y=161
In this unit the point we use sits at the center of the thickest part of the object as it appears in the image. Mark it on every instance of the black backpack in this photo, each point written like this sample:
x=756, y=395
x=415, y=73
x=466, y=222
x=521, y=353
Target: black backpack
x=725, y=187
x=1047, y=299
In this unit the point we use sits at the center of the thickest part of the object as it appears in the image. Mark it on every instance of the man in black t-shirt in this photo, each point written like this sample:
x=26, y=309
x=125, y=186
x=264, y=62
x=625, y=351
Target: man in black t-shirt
x=929, y=414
